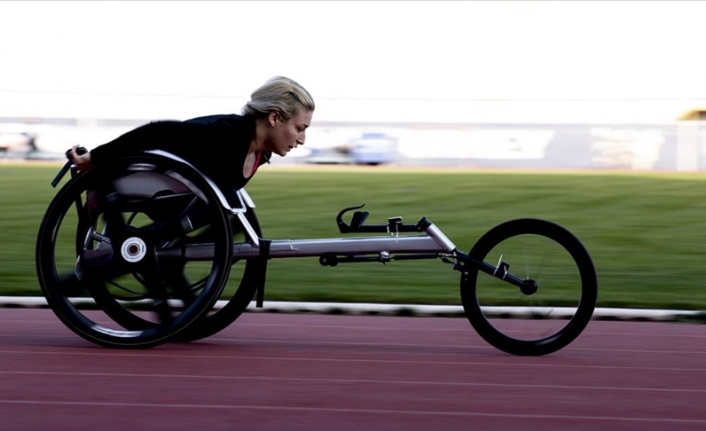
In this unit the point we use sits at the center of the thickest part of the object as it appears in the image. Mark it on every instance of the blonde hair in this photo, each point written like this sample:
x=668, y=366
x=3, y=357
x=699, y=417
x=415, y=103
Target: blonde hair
x=279, y=94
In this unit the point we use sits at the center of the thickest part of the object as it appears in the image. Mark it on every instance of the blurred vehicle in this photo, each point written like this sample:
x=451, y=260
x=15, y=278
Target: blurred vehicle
x=368, y=149
x=332, y=155
x=374, y=149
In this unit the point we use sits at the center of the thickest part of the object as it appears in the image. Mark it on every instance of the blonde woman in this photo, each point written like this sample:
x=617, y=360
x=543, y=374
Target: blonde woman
x=227, y=148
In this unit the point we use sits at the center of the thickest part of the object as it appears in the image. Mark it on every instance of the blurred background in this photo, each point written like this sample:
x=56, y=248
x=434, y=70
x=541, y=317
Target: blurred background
x=573, y=85
x=589, y=114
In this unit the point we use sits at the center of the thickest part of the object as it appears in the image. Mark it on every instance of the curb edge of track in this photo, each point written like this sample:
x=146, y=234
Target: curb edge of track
x=600, y=313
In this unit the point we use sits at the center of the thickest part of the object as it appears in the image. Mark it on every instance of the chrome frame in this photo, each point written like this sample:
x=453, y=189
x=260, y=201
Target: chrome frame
x=434, y=242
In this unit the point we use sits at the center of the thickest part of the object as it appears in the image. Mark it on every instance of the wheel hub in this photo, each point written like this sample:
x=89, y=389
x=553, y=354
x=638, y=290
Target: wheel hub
x=529, y=287
x=133, y=249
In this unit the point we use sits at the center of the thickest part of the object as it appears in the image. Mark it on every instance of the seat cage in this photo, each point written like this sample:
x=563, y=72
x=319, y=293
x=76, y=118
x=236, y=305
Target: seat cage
x=145, y=182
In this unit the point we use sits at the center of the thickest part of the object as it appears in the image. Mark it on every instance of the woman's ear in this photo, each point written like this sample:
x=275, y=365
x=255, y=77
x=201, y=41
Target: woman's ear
x=272, y=118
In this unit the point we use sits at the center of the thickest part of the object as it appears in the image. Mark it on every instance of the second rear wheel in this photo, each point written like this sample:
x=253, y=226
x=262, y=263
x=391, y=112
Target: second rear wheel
x=245, y=273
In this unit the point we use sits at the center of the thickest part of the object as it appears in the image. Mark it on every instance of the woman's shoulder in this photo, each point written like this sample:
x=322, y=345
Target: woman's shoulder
x=228, y=126
x=233, y=120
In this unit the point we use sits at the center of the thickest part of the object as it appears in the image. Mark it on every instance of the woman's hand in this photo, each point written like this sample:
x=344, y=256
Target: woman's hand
x=82, y=161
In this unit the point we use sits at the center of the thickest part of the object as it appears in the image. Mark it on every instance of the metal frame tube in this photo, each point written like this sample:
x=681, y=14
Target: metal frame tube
x=323, y=246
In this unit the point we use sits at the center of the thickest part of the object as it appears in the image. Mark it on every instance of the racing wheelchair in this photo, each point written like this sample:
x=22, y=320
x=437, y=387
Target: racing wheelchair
x=137, y=254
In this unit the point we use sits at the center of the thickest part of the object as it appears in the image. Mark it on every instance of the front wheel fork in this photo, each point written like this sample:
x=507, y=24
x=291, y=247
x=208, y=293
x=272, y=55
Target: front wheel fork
x=501, y=271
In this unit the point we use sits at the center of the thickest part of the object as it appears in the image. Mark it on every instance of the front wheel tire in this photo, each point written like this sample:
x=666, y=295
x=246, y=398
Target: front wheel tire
x=558, y=309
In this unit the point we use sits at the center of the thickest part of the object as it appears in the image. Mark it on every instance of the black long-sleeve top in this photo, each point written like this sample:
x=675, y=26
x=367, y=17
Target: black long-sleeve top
x=217, y=145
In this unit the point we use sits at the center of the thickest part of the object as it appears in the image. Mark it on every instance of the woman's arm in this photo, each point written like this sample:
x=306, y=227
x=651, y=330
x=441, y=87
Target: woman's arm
x=183, y=137
x=151, y=136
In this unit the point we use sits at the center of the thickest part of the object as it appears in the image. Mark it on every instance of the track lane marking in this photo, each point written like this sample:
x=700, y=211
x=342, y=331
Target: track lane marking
x=53, y=355
x=353, y=410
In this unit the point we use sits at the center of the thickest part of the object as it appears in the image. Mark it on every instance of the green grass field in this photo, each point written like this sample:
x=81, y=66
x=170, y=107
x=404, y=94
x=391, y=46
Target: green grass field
x=645, y=232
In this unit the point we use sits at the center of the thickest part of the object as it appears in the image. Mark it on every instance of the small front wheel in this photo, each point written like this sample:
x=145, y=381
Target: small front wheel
x=558, y=296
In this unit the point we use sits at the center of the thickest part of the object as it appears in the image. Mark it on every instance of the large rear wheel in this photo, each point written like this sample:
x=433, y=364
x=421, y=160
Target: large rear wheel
x=100, y=247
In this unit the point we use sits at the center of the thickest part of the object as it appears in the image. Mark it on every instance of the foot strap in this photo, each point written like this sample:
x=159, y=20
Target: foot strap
x=262, y=266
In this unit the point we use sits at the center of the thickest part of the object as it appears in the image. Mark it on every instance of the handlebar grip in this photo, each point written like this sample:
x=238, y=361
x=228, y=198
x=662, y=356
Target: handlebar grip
x=67, y=165
x=80, y=151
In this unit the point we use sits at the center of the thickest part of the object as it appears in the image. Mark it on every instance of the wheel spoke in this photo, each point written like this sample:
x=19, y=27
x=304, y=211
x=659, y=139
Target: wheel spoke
x=177, y=281
x=140, y=295
x=70, y=284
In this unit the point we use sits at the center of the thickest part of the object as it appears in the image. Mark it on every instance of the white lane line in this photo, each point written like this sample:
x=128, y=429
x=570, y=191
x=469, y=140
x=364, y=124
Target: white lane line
x=172, y=355
x=356, y=381
x=37, y=337
x=373, y=344
x=352, y=410
x=445, y=346
x=467, y=328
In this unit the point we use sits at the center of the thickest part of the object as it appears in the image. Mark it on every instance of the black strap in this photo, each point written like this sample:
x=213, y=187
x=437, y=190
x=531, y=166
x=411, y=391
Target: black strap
x=262, y=267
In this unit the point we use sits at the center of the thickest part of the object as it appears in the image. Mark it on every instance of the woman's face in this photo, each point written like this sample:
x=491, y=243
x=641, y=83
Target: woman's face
x=285, y=135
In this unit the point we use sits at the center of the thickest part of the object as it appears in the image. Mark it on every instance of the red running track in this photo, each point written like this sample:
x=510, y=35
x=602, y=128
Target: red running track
x=325, y=372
